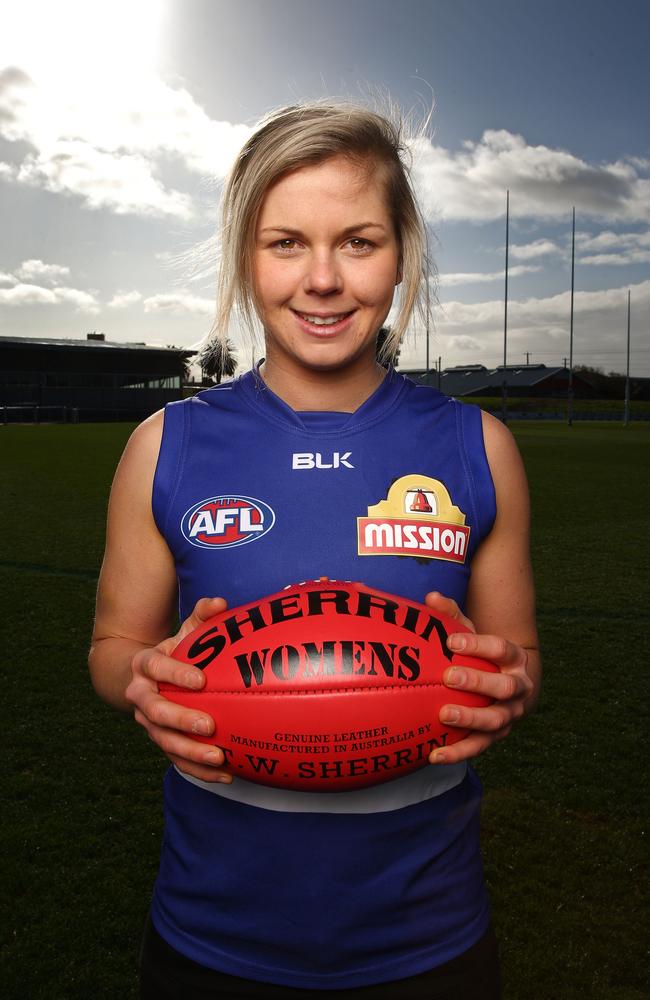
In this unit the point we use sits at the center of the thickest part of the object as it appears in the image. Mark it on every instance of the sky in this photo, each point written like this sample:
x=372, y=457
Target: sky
x=119, y=121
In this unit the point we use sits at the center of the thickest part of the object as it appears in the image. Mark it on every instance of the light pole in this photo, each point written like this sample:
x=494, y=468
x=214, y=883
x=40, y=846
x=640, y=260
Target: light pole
x=570, y=387
x=504, y=385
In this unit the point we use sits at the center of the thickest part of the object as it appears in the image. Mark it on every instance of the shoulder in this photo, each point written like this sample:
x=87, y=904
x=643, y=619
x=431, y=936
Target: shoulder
x=144, y=442
x=425, y=397
x=505, y=462
x=137, y=465
x=500, y=445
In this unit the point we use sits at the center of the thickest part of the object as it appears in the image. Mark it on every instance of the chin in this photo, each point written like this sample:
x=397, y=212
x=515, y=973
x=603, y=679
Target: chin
x=336, y=364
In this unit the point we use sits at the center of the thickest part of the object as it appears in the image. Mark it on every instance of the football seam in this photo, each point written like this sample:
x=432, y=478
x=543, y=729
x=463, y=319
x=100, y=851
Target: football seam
x=310, y=691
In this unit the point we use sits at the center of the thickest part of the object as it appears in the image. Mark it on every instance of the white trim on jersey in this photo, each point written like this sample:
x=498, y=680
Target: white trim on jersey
x=426, y=783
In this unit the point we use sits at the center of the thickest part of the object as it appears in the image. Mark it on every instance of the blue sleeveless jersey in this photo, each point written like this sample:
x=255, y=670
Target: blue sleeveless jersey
x=342, y=889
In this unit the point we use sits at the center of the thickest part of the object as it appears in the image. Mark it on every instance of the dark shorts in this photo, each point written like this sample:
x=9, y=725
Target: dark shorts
x=167, y=975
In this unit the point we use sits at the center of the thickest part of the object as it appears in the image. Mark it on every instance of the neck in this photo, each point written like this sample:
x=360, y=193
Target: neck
x=340, y=391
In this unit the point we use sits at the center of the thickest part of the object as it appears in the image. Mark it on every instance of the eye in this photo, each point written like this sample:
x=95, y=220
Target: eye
x=359, y=245
x=286, y=244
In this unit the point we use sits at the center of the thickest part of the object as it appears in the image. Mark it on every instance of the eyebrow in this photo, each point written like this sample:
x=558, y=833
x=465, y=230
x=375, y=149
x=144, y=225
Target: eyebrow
x=346, y=232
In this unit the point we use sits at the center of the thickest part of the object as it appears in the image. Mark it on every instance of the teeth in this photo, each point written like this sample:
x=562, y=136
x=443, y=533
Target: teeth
x=323, y=320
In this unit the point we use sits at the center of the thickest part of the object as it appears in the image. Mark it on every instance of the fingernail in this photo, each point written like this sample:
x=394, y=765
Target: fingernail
x=457, y=642
x=193, y=680
x=455, y=677
x=437, y=757
x=214, y=757
x=450, y=715
x=202, y=727
x=225, y=778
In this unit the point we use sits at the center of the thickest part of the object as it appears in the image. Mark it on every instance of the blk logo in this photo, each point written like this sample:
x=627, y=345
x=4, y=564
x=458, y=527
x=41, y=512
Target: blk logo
x=311, y=460
x=222, y=522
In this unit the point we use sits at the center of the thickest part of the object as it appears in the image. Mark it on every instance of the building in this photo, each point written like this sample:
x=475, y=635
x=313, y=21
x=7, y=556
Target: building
x=522, y=381
x=92, y=379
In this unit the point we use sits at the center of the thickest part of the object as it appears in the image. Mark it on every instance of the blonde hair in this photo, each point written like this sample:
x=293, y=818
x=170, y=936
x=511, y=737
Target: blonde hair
x=306, y=134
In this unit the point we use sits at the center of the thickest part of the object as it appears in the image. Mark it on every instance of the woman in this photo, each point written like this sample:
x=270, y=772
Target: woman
x=379, y=892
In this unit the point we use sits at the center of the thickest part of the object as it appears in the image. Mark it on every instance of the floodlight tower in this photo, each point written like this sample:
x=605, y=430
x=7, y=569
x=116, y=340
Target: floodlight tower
x=427, y=364
x=504, y=384
x=626, y=418
x=570, y=386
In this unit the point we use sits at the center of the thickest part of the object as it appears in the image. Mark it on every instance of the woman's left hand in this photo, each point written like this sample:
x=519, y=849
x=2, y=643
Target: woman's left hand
x=514, y=689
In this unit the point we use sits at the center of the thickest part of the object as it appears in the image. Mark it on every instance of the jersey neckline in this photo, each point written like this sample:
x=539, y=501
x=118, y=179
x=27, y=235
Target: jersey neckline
x=317, y=422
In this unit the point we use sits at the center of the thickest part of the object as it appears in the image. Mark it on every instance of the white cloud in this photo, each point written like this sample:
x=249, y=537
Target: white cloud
x=610, y=248
x=109, y=141
x=473, y=332
x=29, y=295
x=82, y=301
x=123, y=183
x=609, y=240
x=617, y=259
x=543, y=182
x=122, y=300
x=179, y=303
x=31, y=269
x=7, y=279
x=464, y=344
x=472, y=277
x=528, y=251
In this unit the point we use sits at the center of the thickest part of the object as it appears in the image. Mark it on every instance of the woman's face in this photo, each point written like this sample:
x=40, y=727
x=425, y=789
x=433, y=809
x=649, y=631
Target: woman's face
x=325, y=267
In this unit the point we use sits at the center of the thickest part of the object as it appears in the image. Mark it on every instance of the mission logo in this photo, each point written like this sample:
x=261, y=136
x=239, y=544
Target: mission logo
x=222, y=522
x=417, y=518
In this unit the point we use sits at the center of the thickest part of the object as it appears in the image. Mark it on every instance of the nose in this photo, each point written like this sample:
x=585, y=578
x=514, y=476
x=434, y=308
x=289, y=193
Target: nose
x=323, y=275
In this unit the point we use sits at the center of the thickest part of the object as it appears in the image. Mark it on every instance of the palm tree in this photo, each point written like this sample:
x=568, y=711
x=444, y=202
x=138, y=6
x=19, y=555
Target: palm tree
x=217, y=359
x=393, y=358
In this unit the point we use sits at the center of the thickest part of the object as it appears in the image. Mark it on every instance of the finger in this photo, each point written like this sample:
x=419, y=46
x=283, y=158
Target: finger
x=167, y=714
x=202, y=772
x=158, y=666
x=465, y=749
x=447, y=606
x=490, y=647
x=488, y=720
x=204, y=609
x=502, y=686
x=176, y=745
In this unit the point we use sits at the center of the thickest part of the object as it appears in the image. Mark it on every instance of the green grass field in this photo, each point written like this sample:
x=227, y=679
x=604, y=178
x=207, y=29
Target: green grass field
x=565, y=817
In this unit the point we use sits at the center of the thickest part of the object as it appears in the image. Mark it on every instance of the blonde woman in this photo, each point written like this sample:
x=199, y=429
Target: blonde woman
x=270, y=893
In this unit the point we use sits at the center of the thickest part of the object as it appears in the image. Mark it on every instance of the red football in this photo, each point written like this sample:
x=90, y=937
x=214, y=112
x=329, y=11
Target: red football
x=325, y=686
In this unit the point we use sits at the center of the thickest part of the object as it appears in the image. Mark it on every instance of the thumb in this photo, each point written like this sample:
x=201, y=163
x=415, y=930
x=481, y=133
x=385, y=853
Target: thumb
x=205, y=608
x=447, y=606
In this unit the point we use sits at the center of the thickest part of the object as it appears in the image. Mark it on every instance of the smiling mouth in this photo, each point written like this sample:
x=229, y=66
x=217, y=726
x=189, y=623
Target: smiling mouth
x=331, y=320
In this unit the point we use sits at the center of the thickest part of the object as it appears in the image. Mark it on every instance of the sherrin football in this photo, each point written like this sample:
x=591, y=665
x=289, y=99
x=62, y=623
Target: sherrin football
x=325, y=686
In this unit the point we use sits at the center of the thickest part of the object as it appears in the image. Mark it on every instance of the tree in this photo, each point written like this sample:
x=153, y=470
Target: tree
x=588, y=369
x=184, y=361
x=393, y=358
x=217, y=359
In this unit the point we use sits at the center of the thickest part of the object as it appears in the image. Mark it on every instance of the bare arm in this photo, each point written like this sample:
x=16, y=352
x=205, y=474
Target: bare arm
x=136, y=602
x=137, y=583
x=501, y=609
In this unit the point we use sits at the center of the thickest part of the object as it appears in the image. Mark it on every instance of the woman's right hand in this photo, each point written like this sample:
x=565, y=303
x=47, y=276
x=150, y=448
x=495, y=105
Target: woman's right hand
x=168, y=724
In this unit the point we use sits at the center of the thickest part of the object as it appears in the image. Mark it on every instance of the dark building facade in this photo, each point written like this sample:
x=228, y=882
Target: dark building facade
x=92, y=379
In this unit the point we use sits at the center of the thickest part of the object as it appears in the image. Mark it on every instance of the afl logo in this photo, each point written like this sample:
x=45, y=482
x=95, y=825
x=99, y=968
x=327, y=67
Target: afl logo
x=222, y=522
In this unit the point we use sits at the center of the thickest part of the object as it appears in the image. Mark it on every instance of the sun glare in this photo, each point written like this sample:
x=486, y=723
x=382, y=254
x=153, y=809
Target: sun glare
x=72, y=41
